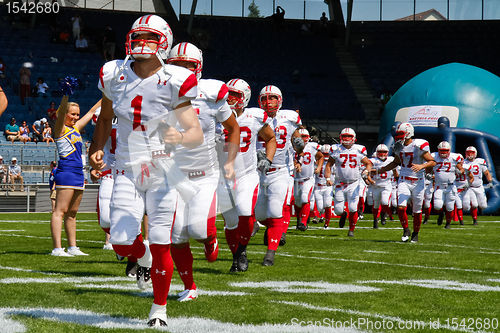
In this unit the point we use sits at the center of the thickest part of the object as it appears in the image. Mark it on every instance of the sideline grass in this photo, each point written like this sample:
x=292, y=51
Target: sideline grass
x=374, y=277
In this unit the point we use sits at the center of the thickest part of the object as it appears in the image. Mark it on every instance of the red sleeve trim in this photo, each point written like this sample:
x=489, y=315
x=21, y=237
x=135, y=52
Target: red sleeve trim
x=223, y=92
x=298, y=120
x=425, y=144
x=265, y=117
x=363, y=150
x=101, y=77
x=189, y=84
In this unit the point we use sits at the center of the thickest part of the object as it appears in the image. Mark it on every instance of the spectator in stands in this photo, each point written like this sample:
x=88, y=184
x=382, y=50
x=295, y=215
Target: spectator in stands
x=278, y=17
x=38, y=127
x=81, y=44
x=3, y=101
x=323, y=20
x=75, y=21
x=25, y=81
x=47, y=134
x=52, y=114
x=3, y=171
x=52, y=184
x=2, y=69
x=12, y=131
x=15, y=174
x=64, y=36
x=24, y=132
x=41, y=87
x=108, y=43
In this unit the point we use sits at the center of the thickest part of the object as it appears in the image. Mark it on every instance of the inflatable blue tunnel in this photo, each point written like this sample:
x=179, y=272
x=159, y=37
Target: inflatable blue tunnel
x=454, y=102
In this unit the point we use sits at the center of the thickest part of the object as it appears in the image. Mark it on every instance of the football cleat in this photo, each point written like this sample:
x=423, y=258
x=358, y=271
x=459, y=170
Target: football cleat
x=447, y=225
x=212, y=250
x=440, y=218
x=131, y=270
x=425, y=220
x=283, y=239
x=414, y=237
x=157, y=316
x=474, y=222
x=315, y=220
x=143, y=277
x=406, y=235
x=342, y=219
x=75, y=251
x=461, y=222
x=361, y=216
x=325, y=226
x=187, y=295
x=241, y=258
x=375, y=224
x=269, y=258
x=108, y=246
x=301, y=226
x=234, y=267
x=59, y=252
x=350, y=233
x=119, y=257
x=383, y=219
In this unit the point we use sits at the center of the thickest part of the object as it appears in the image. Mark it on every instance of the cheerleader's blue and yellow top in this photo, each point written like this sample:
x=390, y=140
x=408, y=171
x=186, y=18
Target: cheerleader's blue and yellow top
x=70, y=166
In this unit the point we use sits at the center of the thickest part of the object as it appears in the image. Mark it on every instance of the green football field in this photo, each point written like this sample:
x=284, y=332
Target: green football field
x=322, y=281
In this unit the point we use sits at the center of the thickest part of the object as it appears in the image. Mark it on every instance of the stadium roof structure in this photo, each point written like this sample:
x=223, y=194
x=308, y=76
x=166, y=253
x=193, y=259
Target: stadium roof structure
x=428, y=15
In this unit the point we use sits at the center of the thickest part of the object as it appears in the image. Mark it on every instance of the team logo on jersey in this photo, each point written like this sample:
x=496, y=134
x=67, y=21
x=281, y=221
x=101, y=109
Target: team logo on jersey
x=162, y=83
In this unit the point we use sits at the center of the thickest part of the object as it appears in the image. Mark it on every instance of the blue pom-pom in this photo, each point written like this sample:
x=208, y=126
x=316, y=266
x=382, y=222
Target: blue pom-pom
x=68, y=85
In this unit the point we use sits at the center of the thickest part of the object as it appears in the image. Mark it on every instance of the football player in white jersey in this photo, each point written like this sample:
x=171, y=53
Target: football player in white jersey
x=143, y=92
x=348, y=158
x=429, y=191
x=414, y=157
x=196, y=217
x=322, y=192
x=445, y=192
x=274, y=182
x=477, y=167
x=462, y=201
x=240, y=219
x=304, y=177
x=382, y=189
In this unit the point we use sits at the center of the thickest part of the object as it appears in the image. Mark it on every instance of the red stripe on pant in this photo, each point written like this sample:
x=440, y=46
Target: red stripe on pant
x=137, y=249
x=212, y=216
x=274, y=232
x=183, y=259
x=161, y=272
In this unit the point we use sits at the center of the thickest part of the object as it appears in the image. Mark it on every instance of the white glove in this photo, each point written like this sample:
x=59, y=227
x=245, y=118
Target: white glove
x=428, y=176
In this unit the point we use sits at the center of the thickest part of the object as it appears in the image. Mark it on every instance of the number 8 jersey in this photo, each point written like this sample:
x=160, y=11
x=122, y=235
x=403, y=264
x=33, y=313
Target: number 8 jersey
x=347, y=162
x=137, y=100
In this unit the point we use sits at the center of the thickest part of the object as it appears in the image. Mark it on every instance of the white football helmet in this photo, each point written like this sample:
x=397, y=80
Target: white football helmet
x=187, y=52
x=325, y=149
x=149, y=24
x=444, y=149
x=241, y=87
x=304, y=133
x=264, y=95
x=471, y=153
x=347, y=137
x=382, y=151
x=404, y=131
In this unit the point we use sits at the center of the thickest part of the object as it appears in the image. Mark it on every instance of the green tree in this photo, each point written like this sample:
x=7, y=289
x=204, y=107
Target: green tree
x=253, y=10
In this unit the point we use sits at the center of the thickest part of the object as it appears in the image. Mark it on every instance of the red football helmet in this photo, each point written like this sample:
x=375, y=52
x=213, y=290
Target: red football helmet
x=444, y=149
x=471, y=153
x=347, y=137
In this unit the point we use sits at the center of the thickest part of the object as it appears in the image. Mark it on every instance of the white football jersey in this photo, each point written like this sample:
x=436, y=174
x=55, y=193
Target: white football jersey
x=307, y=160
x=320, y=177
x=412, y=154
x=384, y=178
x=110, y=148
x=444, y=170
x=347, y=162
x=212, y=108
x=137, y=101
x=284, y=123
x=251, y=121
x=477, y=168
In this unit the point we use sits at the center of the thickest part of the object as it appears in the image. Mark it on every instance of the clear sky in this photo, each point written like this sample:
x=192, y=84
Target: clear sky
x=363, y=10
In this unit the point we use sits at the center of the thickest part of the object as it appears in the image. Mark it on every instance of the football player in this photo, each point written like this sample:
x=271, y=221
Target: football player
x=240, y=219
x=144, y=92
x=445, y=192
x=322, y=192
x=196, y=218
x=274, y=182
x=382, y=189
x=347, y=157
x=429, y=191
x=304, y=177
x=477, y=167
x=462, y=200
x=414, y=157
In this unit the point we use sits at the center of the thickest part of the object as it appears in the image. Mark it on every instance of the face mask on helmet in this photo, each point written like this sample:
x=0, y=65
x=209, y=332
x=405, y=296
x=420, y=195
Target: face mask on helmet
x=444, y=149
x=188, y=56
x=382, y=154
x=325, y=150
x=347, y=140
x=471, y=153
x=150, y=35
x=239, y=94
x=304, y=134
x=270, y=99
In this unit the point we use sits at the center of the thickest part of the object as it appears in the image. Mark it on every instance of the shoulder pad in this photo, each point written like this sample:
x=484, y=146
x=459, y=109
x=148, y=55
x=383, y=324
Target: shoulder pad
x=213, y=90
x=422, y=144
x=107, y=73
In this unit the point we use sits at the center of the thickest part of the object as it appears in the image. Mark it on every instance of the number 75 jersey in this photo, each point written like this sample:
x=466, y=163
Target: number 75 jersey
x=347, y=162
x=137, y=101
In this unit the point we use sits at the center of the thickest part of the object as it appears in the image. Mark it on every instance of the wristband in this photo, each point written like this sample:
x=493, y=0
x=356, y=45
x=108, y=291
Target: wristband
x=328, y=178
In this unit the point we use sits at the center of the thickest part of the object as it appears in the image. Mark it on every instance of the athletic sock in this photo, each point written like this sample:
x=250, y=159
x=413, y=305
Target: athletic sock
x=183, y=259
x=245, y=228
x=274, y=232
x=403, y=217
x=417, y=222
x=305, y=210
x=353, y=218
x=161, y=272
